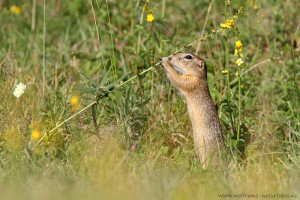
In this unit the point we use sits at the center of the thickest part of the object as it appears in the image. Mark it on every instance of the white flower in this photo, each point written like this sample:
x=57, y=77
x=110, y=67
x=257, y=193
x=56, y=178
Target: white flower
x=239, y=62
x=19, y=90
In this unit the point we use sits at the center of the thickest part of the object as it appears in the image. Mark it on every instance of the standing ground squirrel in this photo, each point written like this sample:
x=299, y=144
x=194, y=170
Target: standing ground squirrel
x=192, y=83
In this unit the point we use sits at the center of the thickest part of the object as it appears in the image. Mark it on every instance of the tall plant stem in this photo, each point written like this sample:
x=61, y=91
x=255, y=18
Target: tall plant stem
x=239, y=120
x=112, y=57
x=226, y=51
x=163, y=10
x=44, y=38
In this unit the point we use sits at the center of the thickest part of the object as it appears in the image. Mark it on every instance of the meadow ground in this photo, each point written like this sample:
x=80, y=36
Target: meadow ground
x=67, y=53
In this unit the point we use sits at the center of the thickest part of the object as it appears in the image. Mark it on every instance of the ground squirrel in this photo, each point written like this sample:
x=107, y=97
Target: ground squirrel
x=192, y=83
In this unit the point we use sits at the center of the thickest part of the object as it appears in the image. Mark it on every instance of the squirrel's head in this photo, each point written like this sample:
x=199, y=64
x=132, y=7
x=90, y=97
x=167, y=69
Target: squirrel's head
x=187, y=63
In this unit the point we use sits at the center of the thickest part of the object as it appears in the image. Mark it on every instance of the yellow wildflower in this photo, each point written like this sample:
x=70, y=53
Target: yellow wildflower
x=229, y=23
x=35, y=134
x=241, y=49
x=235, y=52
x=150, y=11
x=15, y=10
x=150, y=18
x=223, y=25
x=145, y=8
x=238, y=44
x=75, y=102
x=225, y=71
x=241, y=55
x=239, y=61
x=257, y=7
x=236, y=73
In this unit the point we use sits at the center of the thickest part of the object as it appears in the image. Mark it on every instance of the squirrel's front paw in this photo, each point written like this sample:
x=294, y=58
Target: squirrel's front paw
x=164, y=60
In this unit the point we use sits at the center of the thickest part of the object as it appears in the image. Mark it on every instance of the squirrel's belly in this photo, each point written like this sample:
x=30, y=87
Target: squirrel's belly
x=205, y=134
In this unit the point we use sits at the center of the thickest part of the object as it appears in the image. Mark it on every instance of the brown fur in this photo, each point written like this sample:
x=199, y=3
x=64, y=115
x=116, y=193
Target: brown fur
x=192, y=83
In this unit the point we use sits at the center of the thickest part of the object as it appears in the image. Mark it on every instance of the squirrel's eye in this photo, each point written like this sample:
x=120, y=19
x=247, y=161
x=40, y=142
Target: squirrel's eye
x=188, y=57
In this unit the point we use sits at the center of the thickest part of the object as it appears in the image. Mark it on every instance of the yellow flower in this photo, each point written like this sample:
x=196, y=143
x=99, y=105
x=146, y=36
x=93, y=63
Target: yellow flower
x=229, y=23
x=145, y=8
x=225, y=71
x=36, y=134
x=223, y=25
x=150, y=11
x=241, y=55
x=239, y=61
x=75, y=102
x=15, y=10
x=238, y=44
x=235, y=52
x=150, y=18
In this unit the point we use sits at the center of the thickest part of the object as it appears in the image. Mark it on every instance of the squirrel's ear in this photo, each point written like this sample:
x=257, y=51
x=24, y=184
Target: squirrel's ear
x=201, y=65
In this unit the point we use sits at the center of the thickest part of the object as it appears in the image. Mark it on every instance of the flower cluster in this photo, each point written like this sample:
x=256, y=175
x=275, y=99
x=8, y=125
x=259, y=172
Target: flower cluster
x=238, y=48
x=19, y=90
x=228, y=23
x=150, y=16
x=238, y=52
x=15, y=10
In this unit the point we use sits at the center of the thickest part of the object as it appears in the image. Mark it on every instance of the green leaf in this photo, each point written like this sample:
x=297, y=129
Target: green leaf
x=87, y=90
x=105, y=77
x=92, y=82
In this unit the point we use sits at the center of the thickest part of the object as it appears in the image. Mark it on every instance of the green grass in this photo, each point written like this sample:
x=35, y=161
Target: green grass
x=143, y=148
